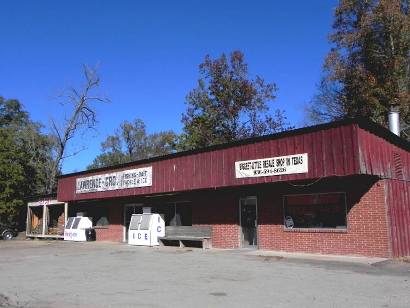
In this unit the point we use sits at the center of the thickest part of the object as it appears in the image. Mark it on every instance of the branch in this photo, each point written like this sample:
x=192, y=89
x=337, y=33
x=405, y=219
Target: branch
x=56, y=131
x=74, y=153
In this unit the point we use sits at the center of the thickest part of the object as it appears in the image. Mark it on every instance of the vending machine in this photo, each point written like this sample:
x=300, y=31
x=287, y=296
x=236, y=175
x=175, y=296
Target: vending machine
x=79, y=229
x=145, y=229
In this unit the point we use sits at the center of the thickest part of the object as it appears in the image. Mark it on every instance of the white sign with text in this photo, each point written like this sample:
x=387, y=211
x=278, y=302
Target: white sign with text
x=290, y=164
x=131, y=178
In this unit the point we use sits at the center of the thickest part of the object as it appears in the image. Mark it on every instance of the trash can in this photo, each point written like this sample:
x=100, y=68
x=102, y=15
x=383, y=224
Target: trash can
x=90, y=234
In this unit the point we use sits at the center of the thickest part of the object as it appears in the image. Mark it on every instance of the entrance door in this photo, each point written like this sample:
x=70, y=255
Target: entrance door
x=249, y=224
x=130, y=209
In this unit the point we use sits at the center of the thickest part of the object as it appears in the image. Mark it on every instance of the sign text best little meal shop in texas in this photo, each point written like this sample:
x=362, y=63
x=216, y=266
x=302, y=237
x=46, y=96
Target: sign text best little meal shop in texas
x=130, y=178
x=290, y=164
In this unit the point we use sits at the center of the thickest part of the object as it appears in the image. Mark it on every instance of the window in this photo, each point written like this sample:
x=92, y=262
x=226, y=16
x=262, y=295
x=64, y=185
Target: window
x=99, y=213
x=99, y=216
x=317, y=211
x=176, y=213
x=183, y=214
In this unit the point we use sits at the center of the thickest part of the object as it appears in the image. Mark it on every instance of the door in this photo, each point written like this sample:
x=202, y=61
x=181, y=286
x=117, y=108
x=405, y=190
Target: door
x=130, y=209
x=249, y=224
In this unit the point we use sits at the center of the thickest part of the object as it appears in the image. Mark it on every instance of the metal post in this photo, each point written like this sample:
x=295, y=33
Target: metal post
x=394, y=121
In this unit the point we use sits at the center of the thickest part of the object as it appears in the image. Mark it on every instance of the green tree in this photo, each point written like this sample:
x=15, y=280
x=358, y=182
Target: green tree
x=131, y=142
x=227, y=105
x=25, y=155
x=367, y=72
x=15, y=183
x=11, y=114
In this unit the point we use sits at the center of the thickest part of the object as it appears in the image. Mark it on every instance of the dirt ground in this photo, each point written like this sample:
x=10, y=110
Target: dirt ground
x=95, y=274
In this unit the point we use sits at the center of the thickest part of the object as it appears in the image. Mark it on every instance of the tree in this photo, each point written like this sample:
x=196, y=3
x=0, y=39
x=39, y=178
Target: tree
x=227, y=105
x=39, y=149
x=131, y=142
x=367, y=72
x=82, y=117
x=11, y=114
x=25, y=154
x=15, y=182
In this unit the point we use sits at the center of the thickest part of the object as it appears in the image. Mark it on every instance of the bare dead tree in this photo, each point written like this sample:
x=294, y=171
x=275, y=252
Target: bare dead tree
x=81, y=117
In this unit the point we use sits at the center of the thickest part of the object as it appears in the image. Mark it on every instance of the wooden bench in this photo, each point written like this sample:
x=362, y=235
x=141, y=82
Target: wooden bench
x=188, y=233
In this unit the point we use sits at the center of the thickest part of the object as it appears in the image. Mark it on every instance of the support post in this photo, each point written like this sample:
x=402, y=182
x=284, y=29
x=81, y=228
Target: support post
x=28, y=221
x=44, y=220
x=65, y=213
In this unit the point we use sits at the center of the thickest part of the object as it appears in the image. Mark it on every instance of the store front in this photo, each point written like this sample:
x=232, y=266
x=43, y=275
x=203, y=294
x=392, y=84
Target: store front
x=174, y=213
x=324, y=189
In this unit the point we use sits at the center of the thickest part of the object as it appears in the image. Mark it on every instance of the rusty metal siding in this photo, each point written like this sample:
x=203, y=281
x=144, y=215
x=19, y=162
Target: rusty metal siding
x=331, y=152
x=381, y=158
x=398, y=208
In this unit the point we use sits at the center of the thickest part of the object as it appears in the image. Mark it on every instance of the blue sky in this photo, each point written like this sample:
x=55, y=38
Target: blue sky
x=149, y=51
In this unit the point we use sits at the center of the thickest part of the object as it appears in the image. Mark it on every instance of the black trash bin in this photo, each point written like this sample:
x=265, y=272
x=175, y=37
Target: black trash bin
x=90, y=234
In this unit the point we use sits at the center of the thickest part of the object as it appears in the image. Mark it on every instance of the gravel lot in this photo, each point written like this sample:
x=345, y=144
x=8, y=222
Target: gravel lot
x=64, y=274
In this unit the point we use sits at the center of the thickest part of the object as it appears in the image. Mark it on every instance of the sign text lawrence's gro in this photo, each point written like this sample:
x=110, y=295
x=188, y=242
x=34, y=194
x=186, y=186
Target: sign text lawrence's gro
x=289, y=164
x=131, y=178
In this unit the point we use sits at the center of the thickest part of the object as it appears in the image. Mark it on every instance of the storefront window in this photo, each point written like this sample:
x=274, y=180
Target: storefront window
x=102, y=221
x=183, y=212
x=99, y=216
x=97, y=213
x=326, y=210
x=175, y=214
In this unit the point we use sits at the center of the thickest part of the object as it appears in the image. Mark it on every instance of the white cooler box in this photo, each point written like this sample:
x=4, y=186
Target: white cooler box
x=79, y=229
x=145, y=229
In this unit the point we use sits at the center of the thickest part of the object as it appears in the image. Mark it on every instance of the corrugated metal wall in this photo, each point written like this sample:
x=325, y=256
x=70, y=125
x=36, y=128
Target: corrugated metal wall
x=398, y=209
x=331, y=152
x=379, y=157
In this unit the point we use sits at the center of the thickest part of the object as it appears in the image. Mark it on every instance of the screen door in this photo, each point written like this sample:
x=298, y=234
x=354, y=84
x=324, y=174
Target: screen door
x=249, y=224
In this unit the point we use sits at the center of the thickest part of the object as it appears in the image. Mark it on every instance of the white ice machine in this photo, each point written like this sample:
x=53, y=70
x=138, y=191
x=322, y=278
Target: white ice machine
x=77, y=229
x=145, y=229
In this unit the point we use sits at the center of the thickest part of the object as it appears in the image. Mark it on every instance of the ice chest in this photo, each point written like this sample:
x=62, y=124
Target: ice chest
x=145, y=229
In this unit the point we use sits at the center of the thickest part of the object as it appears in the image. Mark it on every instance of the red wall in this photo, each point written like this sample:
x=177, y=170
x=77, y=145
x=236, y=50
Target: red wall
x=114, y=232
x=367, y=229
x=367, y=233
x=331, y=151
x=378, y=221
x=221, y=211
x=381, y=158
x=398, y=198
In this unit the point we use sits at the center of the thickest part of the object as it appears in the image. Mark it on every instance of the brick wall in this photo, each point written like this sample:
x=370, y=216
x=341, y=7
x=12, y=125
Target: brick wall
x=366, y=234
x=114, y=232
x=219, y=210
x=367, y=227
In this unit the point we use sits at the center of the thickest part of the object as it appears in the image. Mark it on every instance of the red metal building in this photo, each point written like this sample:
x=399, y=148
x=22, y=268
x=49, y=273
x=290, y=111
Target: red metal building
x=337, y=188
